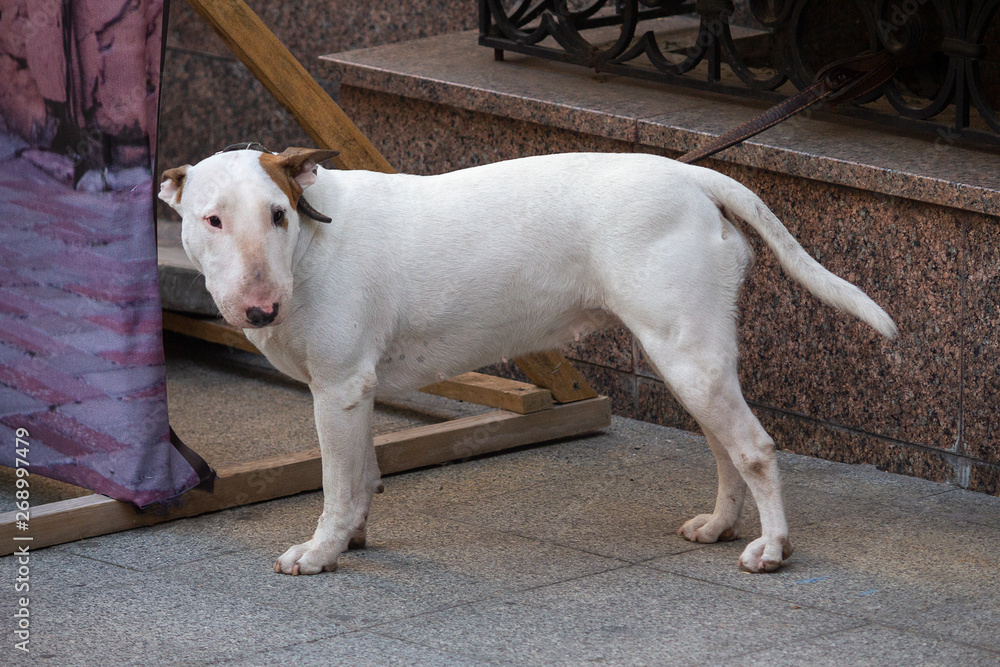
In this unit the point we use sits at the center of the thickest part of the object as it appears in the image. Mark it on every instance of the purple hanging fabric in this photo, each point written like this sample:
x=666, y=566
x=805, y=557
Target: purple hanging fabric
x=81, y=352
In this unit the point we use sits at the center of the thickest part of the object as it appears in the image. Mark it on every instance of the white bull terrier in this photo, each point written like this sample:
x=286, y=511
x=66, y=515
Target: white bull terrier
x=416, y=278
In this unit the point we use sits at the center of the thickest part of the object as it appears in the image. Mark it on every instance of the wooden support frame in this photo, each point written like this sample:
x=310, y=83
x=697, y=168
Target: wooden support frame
x=93, y=515
x=535, y=417
x=214, y=330
x=519, y=397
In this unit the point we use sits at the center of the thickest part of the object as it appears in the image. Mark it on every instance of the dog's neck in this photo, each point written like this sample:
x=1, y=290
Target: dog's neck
x=307, y=232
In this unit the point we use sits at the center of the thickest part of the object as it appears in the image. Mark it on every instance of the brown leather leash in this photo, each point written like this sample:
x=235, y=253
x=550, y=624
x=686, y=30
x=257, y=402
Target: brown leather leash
x=841, y=81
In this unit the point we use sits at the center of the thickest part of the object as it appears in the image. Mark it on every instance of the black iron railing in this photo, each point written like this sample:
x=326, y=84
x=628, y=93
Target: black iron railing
x=948, y=51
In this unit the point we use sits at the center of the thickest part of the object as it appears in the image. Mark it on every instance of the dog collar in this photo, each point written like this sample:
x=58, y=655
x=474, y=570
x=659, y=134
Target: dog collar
x=303, y=207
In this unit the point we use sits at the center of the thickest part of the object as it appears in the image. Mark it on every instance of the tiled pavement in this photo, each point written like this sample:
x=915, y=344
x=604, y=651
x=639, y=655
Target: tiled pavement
x=558, y=554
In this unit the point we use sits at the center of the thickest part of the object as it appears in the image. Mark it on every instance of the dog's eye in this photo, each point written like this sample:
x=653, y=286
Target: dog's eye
x=278, y=216
x=214, y=221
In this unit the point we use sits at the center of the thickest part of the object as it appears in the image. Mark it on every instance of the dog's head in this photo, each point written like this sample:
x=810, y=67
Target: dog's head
x=240, y=226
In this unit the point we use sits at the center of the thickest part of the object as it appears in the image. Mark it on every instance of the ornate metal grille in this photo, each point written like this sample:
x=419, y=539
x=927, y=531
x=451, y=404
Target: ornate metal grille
x=948, y=81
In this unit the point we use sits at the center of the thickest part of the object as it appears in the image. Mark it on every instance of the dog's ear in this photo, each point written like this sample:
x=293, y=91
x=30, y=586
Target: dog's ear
x=172, y=185
x=300, y=163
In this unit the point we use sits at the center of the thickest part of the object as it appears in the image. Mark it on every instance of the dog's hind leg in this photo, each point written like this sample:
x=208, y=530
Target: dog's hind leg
x=701, y=372
x=723, y=524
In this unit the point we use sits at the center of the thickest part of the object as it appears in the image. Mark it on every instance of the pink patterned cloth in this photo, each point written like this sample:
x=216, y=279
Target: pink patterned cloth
x=81, y=352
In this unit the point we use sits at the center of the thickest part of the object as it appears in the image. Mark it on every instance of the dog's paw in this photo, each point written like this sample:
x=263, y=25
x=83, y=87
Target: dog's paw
x=308, y=558
x=707, y=528
x=765, y=554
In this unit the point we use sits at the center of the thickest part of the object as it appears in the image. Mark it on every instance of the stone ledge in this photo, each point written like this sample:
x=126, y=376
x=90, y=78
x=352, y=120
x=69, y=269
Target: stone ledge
x=454, y=70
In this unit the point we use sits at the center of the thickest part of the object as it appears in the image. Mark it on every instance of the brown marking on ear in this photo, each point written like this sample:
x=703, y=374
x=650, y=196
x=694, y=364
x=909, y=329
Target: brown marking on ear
x=290, y=163
x=177, y=175
x=276, y=168
x=305, y=159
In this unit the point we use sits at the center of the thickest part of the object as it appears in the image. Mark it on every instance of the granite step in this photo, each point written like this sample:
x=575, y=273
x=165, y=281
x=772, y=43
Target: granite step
x=454, y=71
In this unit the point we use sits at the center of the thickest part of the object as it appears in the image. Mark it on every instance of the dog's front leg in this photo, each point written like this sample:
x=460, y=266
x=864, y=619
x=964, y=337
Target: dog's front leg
x=350, y=474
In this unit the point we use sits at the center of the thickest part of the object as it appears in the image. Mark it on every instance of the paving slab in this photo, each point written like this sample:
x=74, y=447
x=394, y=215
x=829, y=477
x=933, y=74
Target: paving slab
x=358, y=649
x=630, y=516
x=608, y=455
x=897, y=571
x=974, y=621
x=413, y=564
x=157, y=621
x=632, y=512
x=622, y=617
x=870, y=646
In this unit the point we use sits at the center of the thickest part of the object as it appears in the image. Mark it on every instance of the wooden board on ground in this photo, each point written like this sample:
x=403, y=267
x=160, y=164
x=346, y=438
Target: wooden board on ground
x=90, y=516
x=214, y=330
x=495, y=392
x=552, y=371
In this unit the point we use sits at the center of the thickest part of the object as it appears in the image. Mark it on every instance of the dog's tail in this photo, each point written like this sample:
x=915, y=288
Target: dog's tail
x=732, y=197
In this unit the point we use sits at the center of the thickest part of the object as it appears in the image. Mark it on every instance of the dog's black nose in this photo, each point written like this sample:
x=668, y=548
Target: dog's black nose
x=258, y=318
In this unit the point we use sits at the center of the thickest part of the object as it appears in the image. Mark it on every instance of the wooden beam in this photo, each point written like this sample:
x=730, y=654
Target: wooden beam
x=487, y=433
x=496, y=392
x=289, y=82
x=215, y=330
x=552, y=371
x=90, y=516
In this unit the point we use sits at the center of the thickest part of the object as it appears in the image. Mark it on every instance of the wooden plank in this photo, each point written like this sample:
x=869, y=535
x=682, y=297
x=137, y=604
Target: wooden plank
x=215, y=330
x=491, y=432
x=90, y=516
x=290, y=84
x=552, y=371
x=496, y=392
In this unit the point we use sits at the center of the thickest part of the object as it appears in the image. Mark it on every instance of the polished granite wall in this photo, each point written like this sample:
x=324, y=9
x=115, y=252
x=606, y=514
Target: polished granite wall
x=822, y=383
x=210, y=100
